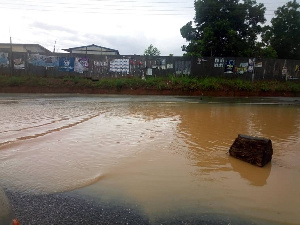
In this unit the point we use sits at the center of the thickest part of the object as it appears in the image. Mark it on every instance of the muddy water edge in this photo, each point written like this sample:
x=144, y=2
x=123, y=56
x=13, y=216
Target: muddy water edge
x=146, y=160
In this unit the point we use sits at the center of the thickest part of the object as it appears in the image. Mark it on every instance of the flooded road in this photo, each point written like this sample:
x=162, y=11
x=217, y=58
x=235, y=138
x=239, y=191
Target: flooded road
x=167, y=155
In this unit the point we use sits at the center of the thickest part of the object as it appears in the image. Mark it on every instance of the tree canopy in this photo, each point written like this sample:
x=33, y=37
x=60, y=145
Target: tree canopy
x=284, y=34
x=151, y=51
x=224, y=28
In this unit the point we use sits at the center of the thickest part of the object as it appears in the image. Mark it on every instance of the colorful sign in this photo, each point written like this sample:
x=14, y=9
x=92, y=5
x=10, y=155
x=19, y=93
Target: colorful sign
x=81, y=65
x=242, y=69
x=219, y=62
x=100, y=67
x=149, y=72
x=19, y=64
x=183, y=67
x=229, y=66
x=43, y=60
x=258, y=64
x=170, y=66
x=119, y=65
x=251, y=65
x=4, y=59
x=66, y=64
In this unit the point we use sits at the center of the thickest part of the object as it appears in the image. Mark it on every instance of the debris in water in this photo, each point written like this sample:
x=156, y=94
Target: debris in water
x=255, y=150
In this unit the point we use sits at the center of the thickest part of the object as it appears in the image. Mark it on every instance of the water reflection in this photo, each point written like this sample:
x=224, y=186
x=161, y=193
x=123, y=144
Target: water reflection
x=257, y=176
x=209, y=130
x=279, y=123
x=153, y=110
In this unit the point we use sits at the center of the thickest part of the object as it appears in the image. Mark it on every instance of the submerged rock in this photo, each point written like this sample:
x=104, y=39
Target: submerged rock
x=255, y=150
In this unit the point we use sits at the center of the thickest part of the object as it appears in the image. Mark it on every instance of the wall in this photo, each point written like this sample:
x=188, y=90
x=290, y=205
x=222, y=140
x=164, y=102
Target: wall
x=98, y=66
x=247, y=68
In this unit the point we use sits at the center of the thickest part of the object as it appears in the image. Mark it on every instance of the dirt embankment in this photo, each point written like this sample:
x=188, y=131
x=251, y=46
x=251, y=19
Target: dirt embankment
x=147, y=91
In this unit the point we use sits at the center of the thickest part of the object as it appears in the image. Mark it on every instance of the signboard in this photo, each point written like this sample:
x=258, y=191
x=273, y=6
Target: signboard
x=66, y=64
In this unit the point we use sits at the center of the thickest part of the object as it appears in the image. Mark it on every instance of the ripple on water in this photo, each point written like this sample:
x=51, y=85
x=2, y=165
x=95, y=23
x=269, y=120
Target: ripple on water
x=77, y=152
x=163, y=155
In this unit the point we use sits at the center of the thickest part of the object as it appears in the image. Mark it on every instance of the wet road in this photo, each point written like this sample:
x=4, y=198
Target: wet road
x=71, y=208
x=76, y=159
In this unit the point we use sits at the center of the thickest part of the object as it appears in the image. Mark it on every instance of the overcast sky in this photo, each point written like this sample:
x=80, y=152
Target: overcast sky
x=129, y=26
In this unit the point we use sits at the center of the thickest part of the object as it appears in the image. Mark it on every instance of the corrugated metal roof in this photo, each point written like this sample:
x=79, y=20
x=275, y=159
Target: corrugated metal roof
x=93, y=50
x=18, y=48
x=34, y=48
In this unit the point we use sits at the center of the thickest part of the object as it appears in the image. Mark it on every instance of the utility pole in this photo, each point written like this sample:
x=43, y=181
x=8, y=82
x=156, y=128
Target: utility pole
x=54, y=47
x=253, y=72
x=11, y=56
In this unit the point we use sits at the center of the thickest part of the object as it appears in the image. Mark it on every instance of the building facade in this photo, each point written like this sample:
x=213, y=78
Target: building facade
x=92, y=50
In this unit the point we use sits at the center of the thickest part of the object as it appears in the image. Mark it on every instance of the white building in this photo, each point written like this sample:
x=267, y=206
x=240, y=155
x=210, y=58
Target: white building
x=92, y=50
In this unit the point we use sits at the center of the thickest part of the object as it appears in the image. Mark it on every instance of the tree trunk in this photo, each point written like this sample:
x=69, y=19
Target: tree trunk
x=254, y=150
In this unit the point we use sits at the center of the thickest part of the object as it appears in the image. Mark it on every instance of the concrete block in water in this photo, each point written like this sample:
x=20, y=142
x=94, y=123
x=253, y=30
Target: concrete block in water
x=254, y=150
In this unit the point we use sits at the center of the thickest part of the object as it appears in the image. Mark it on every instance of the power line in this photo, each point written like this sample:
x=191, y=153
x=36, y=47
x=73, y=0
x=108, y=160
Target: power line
x=96, y=2
x=93, y=3
x=152, y=8
x=148, y=10
x=91, y=7
x=95, y=6
x=113, y=11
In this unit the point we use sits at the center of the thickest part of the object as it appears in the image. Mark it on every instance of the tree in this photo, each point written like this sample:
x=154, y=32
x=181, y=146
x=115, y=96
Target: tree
x=284, y=34
x=263, y=51
x=224, y=28
x=152, y=51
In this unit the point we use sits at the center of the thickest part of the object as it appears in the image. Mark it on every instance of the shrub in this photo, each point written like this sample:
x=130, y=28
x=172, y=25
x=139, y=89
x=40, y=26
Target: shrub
x=15, y=81
x=209, y=83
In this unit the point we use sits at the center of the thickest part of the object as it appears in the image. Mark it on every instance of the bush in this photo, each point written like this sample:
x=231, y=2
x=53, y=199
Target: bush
x=210, y=83
x=15, y=81
x=160, y=83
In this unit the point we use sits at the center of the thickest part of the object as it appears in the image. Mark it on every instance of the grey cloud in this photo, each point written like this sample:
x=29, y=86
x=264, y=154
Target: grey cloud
x=49, y=27
x=126, y=45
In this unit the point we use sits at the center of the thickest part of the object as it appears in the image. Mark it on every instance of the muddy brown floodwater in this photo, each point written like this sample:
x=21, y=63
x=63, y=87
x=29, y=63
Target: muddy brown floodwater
x=164, y=154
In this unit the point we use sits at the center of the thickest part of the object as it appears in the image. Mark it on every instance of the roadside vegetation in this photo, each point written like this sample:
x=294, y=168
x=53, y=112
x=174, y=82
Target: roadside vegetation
x=234, y=28
x=182, y=83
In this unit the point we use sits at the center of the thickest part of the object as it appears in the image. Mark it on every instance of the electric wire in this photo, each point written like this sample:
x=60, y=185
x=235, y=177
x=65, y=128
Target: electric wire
x=114, y=7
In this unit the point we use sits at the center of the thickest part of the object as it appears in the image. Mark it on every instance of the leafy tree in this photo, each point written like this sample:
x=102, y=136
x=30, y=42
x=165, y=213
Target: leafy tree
x=284, y=34
x=265, y=52
x=224, y=28
x=152, y=51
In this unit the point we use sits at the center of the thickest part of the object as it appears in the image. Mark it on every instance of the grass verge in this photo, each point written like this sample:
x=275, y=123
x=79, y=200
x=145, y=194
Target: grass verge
x=171, y=82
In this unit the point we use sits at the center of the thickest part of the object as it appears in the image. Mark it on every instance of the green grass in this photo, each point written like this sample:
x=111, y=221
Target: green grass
x=171, y=82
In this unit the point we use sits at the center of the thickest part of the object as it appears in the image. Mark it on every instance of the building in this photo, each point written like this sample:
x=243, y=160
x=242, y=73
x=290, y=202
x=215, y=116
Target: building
x=92, y=50
x=23, y=48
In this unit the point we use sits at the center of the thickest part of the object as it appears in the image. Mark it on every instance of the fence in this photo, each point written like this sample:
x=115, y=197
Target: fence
x=98, y=66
